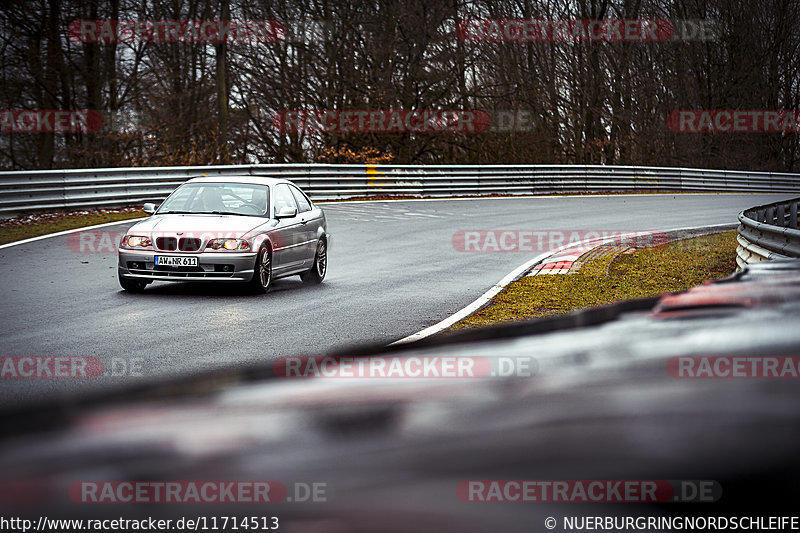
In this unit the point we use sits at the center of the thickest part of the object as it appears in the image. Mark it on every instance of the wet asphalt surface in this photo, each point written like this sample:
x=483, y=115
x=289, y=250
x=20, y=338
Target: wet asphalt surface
x=393, y=270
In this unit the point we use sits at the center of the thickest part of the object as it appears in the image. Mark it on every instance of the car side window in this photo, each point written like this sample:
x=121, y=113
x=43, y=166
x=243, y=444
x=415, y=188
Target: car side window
x=283, y=197
x=302, y=202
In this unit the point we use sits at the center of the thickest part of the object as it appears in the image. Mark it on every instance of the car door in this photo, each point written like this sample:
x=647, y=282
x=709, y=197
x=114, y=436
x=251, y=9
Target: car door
x=310, y=221
x=287, y=252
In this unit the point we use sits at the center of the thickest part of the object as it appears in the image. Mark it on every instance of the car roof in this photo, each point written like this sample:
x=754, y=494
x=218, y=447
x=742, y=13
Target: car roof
x=253, y=180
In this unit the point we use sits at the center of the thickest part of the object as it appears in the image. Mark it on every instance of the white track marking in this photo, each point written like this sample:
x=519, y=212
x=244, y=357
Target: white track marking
x=517, y=273
x=67, y=232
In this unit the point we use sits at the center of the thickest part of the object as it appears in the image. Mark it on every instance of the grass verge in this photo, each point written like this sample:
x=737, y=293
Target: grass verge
x=25, y=227
x=649, y=272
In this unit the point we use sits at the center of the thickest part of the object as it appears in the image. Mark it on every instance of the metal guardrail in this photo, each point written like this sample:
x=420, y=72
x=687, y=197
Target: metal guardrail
x=24, y=191
x=768, y=232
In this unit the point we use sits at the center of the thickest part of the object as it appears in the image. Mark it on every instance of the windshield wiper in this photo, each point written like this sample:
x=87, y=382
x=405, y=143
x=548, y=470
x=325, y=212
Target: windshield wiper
x=206, y=213
x=231, y=213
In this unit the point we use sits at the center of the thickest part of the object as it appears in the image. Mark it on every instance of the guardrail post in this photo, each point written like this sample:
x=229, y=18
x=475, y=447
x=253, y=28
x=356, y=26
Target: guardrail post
x=793, y=215
x=781, y=220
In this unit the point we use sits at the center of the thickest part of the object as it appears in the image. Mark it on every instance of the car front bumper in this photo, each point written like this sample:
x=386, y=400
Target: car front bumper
x=215, y=266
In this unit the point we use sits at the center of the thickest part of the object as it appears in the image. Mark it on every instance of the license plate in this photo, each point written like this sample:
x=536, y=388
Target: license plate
x=171, y=260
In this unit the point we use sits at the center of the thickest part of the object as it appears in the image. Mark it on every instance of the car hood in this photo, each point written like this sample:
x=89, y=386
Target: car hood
x=234, y=225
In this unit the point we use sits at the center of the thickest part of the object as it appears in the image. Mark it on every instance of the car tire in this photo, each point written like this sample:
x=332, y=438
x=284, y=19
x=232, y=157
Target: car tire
x=317, y=272
x=262, y=271
x=132, y=285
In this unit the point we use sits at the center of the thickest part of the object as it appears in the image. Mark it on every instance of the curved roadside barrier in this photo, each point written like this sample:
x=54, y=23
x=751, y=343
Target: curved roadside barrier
x=41, y=190
x=768, y=232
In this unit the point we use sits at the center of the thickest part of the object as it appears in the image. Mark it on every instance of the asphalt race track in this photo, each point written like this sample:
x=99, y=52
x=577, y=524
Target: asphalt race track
x=392, y=271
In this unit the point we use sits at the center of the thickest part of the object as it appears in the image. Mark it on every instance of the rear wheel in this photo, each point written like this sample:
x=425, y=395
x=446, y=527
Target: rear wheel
x=132, y=285
x=262, y=274
x=320, y=267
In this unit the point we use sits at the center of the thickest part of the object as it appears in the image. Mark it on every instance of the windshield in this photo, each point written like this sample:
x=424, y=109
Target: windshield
x=218, y=198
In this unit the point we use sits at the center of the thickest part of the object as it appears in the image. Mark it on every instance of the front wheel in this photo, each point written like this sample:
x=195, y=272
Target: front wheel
x=320, y=267
x=262, y=274
x=132, y=285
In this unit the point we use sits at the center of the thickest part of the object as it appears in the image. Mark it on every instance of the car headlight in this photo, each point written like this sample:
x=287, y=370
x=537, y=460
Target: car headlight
x=231, y=245
x=136, y=241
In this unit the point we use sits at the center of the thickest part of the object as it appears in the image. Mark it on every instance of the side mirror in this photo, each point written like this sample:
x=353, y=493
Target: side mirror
x=286, y=212
x=149, y=208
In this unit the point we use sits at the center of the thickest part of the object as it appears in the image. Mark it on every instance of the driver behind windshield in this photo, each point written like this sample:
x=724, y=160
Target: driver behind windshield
x=260, y=199
x=211, y=199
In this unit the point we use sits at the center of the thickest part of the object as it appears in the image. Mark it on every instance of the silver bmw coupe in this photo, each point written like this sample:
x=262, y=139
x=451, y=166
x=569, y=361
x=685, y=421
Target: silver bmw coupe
x=249, y=229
